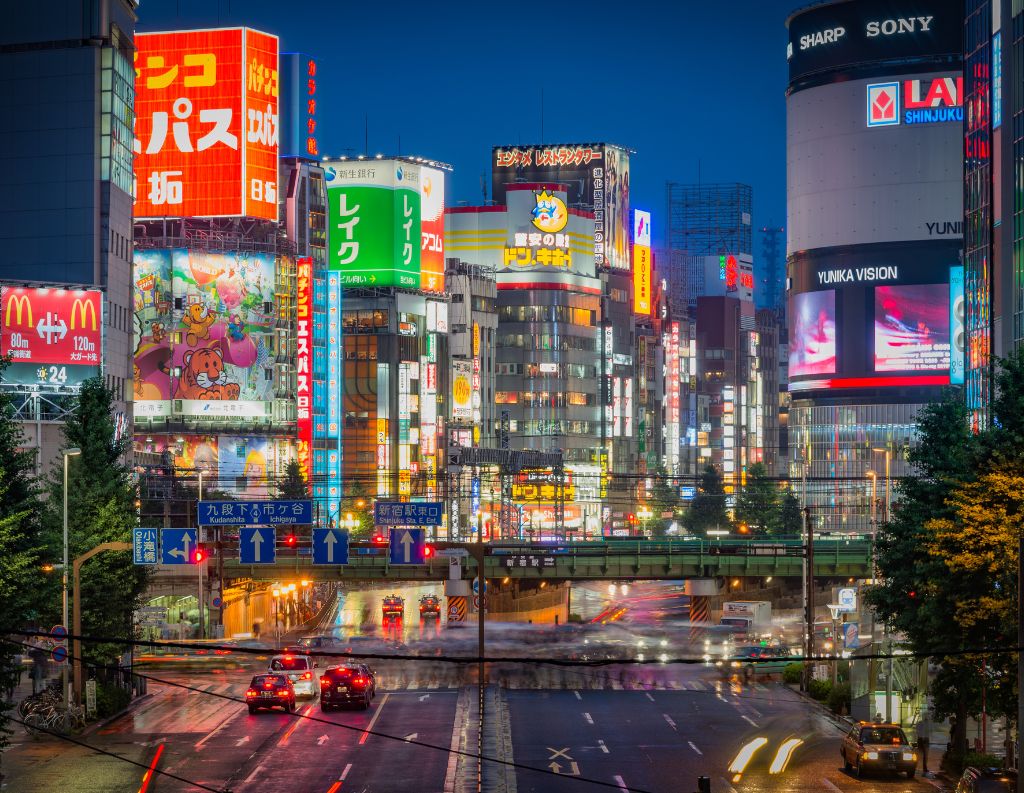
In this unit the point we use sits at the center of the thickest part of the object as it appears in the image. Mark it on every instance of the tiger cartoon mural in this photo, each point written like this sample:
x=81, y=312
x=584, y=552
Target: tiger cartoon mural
x=203, y=376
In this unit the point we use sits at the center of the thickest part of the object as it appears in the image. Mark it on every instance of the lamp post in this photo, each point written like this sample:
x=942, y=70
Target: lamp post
x=277, y=615
x=68, y=453
x=885, y=627
x=874, y=499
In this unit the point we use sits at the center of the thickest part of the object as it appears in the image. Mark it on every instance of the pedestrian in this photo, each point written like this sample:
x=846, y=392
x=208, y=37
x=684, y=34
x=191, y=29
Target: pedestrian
x=256, y=630
x=924, y=737
x=38, y=658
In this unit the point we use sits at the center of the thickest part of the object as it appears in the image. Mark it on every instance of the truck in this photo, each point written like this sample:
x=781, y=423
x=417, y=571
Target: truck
x=749, y=620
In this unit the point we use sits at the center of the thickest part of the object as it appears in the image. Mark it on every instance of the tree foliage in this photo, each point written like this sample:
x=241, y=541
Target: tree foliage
x=707, y=509
x=791, y=521
x=293, y=486
x=759, y=504
x=664, y=497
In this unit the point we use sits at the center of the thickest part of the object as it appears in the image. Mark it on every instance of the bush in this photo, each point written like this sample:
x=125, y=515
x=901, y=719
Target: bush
x=110, y=699
x=839, y=699
x=793, y=673
x=819, y=689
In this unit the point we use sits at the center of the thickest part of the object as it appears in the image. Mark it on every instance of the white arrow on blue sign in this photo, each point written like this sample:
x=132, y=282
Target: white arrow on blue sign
x=330, y=546
x=407, y=546
x=257, y=546
x=177, y=545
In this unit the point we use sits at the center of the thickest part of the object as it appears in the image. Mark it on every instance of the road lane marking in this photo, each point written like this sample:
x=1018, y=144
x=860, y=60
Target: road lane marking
x=373, y=721
x=215, y=730
x=749, y=721
x=602, y=747
x=648, y=695
x=830, y=786
x=577, y=693
x=621, y=783
x=424, y=697
x=694, y=747
x=243, y=740
x=559, y=753
x=295, y=724
x=345, y=772
x=589, y=718
x=322, y=739
x=255, y=771
x=412, y=736
x=334, y=788
x=668, y=718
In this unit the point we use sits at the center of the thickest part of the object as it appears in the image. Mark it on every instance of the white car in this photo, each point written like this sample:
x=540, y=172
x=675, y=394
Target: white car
x=300, y=671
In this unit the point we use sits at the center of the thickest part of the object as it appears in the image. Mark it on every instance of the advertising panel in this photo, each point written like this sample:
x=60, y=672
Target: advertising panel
x=206, y=105
x=596, y=177
x=152, y=300
x=432, y=229
x=243, y=465
x=642, y=265
x=224, y=366
x=812, y=340
x=462, y=390
x=373, y=222
x=956, y=325
x=840, y=34
x=298, y=98
x=54, y=337
x=895, y=182
x=304, y=364
x=911, y=328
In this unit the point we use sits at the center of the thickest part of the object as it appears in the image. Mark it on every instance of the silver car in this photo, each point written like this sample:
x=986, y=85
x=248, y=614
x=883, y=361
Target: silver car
x=299, y=670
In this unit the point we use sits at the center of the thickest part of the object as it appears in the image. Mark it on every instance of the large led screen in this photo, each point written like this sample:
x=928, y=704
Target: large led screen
x=812, y=338
x=912, y=328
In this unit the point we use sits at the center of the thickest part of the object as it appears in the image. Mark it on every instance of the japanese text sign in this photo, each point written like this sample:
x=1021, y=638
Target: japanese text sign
x=206, y=106
x=145, y=545
x=255, y=513
x=303, y=364
x=399, y=513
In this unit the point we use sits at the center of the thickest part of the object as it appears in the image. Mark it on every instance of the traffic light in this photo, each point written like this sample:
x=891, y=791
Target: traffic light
x=291, y=540
x=428, y=551
x=199, y=555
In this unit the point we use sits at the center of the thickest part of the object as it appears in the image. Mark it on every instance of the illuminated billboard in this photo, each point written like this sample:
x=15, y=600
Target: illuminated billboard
x=596, y=177
x=298, y=102
x=206, y=104
x=812, y=338
x=462, y=391
x=304, y=365
x=152, y=301
x=432, y=229
x=54, y=337
x=643, y=270
x=911, y=328
x=374, y=222
x=920, y=101
x=956, y=325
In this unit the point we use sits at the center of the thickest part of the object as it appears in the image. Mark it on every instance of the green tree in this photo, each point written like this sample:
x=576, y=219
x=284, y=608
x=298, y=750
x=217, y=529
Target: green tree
x=758, y=505
x=356, y=511
x=21, y=576
x=707, y=509
x=664, y=497
x=293, y=486
x=791, y=521
x=101, y=508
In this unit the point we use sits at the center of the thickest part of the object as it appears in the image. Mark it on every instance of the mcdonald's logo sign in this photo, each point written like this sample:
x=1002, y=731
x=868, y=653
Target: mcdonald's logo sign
x=80, y=309
x=21, y=304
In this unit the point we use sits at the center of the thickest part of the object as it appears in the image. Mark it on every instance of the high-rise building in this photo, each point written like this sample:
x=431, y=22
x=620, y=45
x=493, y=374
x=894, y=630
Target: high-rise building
x=67, y=88
x=874, y=202
x=992, y=313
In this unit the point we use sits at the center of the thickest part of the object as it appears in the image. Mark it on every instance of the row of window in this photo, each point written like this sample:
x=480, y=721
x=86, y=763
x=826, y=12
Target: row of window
x=567, y=314
x=547, y=341
x=544, y=398
x=535, y=370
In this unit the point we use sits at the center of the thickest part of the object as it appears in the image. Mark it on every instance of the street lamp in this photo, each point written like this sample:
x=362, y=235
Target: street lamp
x=645, y=514
x=68, y=453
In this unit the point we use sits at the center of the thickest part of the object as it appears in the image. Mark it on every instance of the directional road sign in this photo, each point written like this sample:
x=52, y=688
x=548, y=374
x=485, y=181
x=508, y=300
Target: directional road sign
x=146, y=544
x=257, y=546
x=330, y=546
x=255, y=513
x=407, y=546
x=177, y=545
x=405, y=513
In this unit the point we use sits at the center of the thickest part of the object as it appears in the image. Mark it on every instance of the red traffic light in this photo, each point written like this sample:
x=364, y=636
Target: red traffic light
x=199, y=555
x=428, y=551
x=290, y=540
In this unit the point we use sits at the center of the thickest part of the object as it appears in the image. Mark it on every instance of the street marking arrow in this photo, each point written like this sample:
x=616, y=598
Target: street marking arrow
x=322, y=740
x=329, y=540
x=555, y=767
x=257, y=542
x=411, y=736
x=407, y=541
x=425, y=696
x=242, y=741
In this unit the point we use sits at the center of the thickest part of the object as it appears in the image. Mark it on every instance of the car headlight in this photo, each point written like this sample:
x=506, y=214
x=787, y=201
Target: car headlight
x=734, y=664
x=869, y=756
x=910, y=756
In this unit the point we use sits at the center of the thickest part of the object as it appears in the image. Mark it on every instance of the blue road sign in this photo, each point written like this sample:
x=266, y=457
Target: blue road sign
x=255, y=513
x=59, y=653
x=407, y=513
x=146, y=544
x=407, y=546
x=257, y=546
x=330, y=546
x=177, y=545
x=59, y=633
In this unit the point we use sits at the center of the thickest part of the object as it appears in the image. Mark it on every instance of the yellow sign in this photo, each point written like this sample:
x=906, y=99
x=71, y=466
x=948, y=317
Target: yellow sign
x=476, y=339
x=642, y=274
x=541, y=485
x=531, y=257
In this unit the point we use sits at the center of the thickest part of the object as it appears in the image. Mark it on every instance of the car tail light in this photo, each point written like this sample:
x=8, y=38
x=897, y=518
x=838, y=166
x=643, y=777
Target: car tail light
x=250, y=693
x=359, y=681
x=307, y=675
x=324, y=682
x=282, y=693
x=268, y=685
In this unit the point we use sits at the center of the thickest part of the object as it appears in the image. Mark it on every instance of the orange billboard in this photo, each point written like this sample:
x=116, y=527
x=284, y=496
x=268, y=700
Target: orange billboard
x=206, y=104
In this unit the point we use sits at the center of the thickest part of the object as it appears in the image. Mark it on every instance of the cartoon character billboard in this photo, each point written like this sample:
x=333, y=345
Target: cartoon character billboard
x=243, y=465
x=152, y=300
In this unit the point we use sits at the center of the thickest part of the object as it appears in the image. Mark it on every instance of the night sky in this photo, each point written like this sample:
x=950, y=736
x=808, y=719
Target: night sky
x=689, y=87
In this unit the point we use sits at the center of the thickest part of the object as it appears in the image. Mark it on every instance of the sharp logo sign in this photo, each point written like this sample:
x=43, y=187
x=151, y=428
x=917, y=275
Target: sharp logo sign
x=926, y=101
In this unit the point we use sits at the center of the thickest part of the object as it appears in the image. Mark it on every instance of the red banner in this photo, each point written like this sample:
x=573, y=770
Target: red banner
x=303, y=364
x=53, y=326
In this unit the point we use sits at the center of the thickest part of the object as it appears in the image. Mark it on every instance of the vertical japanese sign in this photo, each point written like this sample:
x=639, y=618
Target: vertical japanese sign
x=432, y=229
x=206, y=106
x=54, y=337
x=373, y=222
x=462, y=390
x=298, y=103
x=642, y=266
x=956, y=325
x=303, y=364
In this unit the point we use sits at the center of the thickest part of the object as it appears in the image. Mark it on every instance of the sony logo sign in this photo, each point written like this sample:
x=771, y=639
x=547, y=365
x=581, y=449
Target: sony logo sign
x=829, y=36
x=852, y=274
x=891, y=27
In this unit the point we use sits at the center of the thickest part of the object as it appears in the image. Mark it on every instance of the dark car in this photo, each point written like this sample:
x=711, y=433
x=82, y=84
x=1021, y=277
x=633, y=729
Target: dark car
x=352, y=684
x=987, y=780
x=880, y=747
x=430, y=606
x=314, y=645
x=393, y=607
x=270, y=691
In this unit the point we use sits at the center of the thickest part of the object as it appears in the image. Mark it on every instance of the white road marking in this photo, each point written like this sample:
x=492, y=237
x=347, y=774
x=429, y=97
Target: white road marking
x=577, y=693
x=255, y=771
x=694, y=747
x=830, y=786
x=243, y=740
x=215, y=730
x=373, y=721
x=345, y=772
x=412, y=736
x=749, y=721
x=648, y=695
x=668, y=718
x=602, y=747
x=589, y=718
x=621, y=783
x=425, y=696
x=322, y=739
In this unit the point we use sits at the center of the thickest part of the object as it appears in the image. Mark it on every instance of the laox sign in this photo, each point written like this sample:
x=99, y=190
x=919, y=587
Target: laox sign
x=925, y=101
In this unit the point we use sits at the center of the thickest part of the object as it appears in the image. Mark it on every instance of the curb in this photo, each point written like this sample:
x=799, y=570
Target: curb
x=135, y=703
x=840, y=722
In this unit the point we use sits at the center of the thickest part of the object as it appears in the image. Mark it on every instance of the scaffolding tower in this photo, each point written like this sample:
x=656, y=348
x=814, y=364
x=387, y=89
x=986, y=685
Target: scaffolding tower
x=709, y=219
